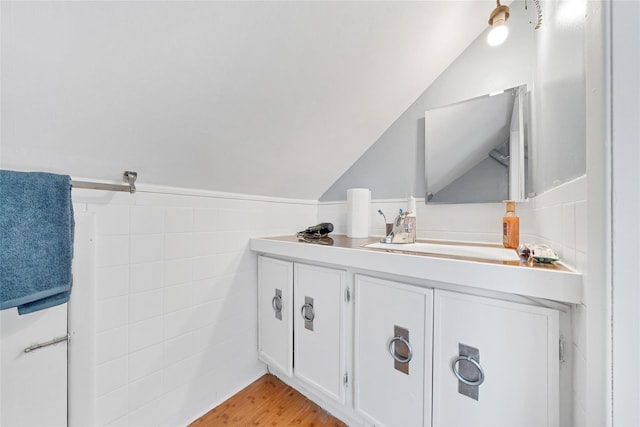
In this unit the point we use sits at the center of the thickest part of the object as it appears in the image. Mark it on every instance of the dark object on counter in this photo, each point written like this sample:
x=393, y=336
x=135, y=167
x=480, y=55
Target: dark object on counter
x=316, y=231
x=327, y=241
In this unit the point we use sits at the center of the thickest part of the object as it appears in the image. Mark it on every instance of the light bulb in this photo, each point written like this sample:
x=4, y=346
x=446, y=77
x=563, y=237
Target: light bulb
x=497, y=35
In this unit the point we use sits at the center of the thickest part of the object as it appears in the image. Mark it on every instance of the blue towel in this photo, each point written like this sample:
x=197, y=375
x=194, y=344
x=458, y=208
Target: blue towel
x=36, y=240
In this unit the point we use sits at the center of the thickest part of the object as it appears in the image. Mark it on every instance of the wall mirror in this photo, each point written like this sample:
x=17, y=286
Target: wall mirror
x=476, y=151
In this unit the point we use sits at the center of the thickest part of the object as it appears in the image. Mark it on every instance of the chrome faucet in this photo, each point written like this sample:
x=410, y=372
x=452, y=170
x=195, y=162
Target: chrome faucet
x=404, y=229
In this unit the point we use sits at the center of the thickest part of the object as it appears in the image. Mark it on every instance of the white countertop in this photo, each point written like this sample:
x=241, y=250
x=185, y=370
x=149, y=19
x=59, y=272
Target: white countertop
x=552, y=282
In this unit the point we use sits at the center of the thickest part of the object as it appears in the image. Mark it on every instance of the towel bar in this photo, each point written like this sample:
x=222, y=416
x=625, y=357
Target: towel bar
x=129, y=177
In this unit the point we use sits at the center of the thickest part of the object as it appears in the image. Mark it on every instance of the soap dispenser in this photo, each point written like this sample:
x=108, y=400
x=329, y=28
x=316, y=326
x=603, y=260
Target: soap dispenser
x=510, y=226
x=412, y=219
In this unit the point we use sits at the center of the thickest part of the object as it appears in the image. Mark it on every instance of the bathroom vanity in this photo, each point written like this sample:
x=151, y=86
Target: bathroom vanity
x=390, y=337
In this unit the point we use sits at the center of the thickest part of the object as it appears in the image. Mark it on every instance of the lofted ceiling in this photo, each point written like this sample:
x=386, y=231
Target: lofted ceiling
x=266, y=98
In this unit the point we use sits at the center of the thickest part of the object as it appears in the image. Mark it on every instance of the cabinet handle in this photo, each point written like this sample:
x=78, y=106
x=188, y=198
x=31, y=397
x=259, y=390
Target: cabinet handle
x=395, y=355
x=303, y=312
x=48, y=343
x=276, y=303
x=464, y=380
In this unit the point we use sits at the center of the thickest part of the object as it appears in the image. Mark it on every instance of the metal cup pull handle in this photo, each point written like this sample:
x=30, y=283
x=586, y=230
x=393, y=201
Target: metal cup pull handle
x=398, y=357
x=464, y=380
x=303, y=312
x=276, y=303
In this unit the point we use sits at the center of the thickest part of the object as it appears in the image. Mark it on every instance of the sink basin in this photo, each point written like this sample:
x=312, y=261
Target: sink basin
x=454, y=250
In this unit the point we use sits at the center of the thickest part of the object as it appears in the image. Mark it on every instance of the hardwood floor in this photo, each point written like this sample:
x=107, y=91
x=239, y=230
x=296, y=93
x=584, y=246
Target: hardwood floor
x=267, y=402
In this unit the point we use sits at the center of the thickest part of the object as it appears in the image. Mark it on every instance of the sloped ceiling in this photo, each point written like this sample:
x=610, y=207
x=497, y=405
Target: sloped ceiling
x=263, y=98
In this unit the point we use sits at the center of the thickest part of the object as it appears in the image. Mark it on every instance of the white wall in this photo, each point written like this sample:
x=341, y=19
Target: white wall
x=559, y=95
x=279, y=89
x=176, y=297
x=626, y=211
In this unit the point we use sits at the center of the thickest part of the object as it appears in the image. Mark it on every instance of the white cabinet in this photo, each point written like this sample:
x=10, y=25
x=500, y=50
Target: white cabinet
x=275, y=310
x=303, y=304
x=319, y=329
x=516, y=347
x=421, y=356
x=33, y=386
x=392, y=369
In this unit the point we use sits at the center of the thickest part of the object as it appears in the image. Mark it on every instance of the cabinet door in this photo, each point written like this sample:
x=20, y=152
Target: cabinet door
x=33, y=386
x=392, y=352
x=515, y=346
x=275, y=298
x=319, y=328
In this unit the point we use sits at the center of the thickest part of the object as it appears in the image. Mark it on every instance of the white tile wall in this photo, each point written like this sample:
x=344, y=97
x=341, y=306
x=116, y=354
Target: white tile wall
x=175, y=287
x=557, y=218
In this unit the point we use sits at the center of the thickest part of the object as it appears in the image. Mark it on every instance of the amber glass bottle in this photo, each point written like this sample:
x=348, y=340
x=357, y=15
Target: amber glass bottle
x=510, y=226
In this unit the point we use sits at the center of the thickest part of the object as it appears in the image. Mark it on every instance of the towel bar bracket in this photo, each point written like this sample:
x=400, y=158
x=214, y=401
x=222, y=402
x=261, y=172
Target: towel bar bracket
x=48, y=343
x=130, y=178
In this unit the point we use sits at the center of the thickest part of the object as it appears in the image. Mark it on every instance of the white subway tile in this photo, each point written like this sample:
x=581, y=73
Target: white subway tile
x=242, y=282
x=112, y=406
x=581, y=264
x=79, y=208
x=206, y=290
x=112, y=220
x=568, y=237
x=178, y=245
x=112, y=313
x=206, y=314
x=154, y=413
x=571, y=191
x=205, y=243
x=111, y=344
x=145, y=305
x=112, y=281
x=145, y=390
x=120, y=422
x=111, y=375
x=181, y=372
x=206, y=220
x=145, y=362
x=178, y=220
x=145, y=333
x=112, y=250
x=178, y=297
x=177, y=323
x=178, y=271
x=146, y=277
x=179, y=348
x=204, y=267
x=550, y=222
x=232, y=241
x=567, y=256
x=146, y=220
x=147, y=248
x=202, y=339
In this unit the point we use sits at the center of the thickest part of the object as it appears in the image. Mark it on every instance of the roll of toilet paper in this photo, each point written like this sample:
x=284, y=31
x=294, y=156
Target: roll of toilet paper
x=358, y=212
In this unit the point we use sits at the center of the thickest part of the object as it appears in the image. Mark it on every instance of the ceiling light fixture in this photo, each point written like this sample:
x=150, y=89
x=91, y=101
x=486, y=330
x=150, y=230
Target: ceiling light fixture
x=497, y=20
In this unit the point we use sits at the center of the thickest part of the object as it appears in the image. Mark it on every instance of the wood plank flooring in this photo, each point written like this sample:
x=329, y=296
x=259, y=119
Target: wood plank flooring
x=267, y=402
